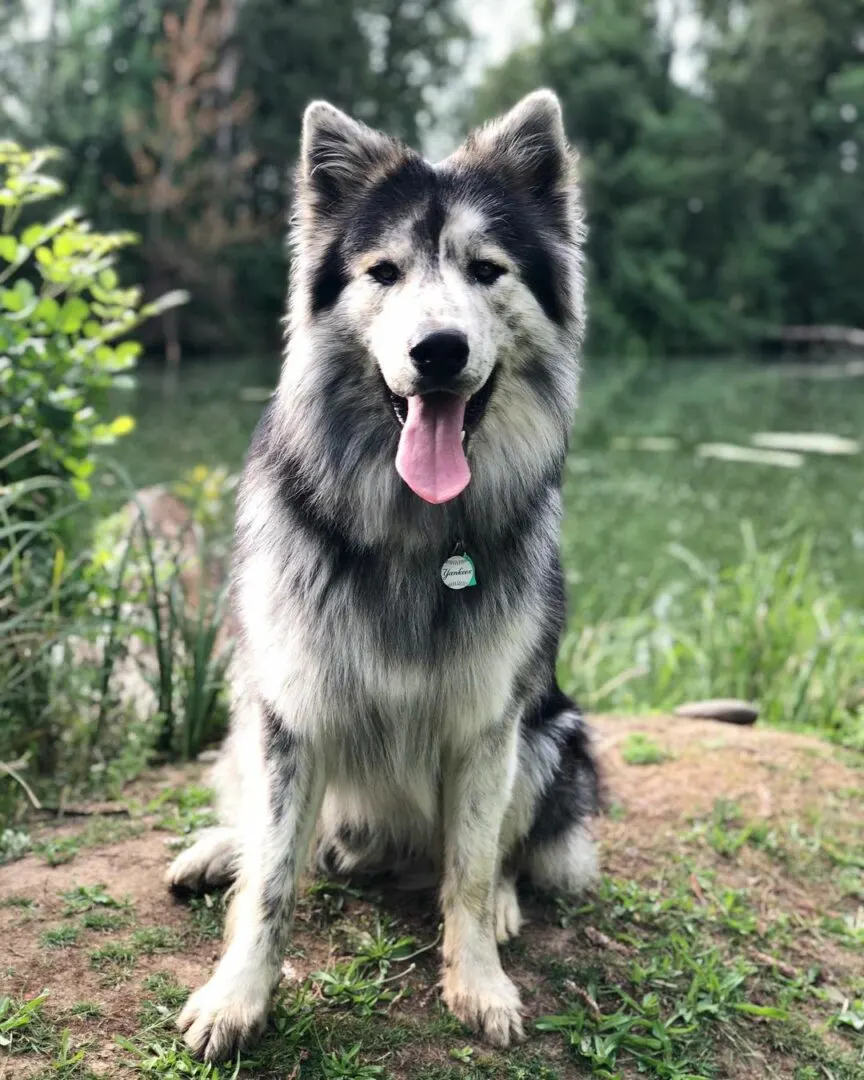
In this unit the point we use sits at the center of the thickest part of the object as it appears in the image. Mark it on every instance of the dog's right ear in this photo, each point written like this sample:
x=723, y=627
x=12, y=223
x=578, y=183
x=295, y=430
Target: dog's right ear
x=338, y=155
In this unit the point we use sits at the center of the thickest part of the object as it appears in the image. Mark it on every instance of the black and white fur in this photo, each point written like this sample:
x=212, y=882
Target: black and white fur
x=407, y=720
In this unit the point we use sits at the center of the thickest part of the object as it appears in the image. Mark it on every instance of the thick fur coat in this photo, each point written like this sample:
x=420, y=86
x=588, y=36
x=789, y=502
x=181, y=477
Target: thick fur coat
x=429, y=385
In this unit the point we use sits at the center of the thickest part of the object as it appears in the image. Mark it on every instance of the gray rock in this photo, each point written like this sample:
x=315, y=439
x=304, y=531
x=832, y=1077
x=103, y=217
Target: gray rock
x=727, y=710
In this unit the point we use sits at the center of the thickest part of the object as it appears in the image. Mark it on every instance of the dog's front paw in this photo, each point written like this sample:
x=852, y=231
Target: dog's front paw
x=220, y=1019
x=488, y=1004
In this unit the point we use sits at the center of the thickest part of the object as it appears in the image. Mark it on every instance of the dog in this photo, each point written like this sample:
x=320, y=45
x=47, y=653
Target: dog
x=397, y=582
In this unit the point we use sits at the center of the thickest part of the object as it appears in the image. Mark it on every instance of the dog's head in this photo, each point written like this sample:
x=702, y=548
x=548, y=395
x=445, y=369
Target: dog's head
x=452, y=282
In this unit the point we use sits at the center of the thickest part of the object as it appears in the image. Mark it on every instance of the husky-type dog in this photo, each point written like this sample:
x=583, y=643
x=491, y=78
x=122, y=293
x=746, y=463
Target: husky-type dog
x=397, y=579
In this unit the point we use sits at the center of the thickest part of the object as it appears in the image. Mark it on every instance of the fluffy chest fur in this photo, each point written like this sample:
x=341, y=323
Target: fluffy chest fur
x=368, y=643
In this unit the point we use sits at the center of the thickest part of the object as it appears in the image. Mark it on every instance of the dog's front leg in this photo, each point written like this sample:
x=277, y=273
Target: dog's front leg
x=477, y=783
x=282, y=788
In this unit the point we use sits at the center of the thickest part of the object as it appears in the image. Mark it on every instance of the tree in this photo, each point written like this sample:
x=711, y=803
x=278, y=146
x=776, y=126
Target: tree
x=192, y=178
x=718, y=210
x=648, y=165
x=380, y=59
x=787, y=84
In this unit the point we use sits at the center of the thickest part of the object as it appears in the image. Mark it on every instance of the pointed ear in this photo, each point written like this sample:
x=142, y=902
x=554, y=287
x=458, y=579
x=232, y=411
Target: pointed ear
x=528, y=144
x=338, y=155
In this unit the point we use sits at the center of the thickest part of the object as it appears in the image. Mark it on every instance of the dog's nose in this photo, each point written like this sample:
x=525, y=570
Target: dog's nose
x=441, y=354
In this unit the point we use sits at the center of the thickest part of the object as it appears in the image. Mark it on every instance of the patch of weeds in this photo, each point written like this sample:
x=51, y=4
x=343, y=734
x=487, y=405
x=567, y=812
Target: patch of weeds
x=208, y=914
x=473, y=1066
x=678, y=992
x=726, y=831
x=346, y=1066
x=381, y=948
x=734, y=912
x=171, y=1060
x=183, y=810
x=326, y=899
x=56, y=850
x=23, y=1028
x=87, y=1010
x=616, y=811
x=639, y=749
x=168, y=996
x=814, y=1058
x=352, y=985
x=851, y=1016
x=23, y=902
x=14, y=845
x=68, y=1060
x=116, y=959
x=362, y=983
x=839, y=855
x=682, y=995
x=87, y=897
x=849, y=928
x=155, y=939
x=61, y=937
x=166, y=990
x=104, y=920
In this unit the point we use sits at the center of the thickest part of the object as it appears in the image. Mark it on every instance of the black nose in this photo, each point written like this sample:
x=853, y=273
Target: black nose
x=441, y=354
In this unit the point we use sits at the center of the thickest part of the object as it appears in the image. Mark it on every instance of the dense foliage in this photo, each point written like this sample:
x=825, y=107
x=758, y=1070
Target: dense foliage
x=724, y=207
x=182, y=122
x=723, y=192
x=64, y=326
x=70, y=609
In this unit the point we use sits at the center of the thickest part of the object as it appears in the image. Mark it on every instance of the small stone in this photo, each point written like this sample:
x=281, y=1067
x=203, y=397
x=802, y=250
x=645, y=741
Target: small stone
x=207, y=757
x=727, y=710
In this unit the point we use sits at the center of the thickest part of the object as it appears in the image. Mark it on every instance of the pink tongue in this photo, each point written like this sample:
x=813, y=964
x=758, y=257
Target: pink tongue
x=430, y=458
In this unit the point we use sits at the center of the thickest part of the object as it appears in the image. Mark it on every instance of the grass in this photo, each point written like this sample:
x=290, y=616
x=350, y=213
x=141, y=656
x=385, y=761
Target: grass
x=61, y=937
x=183, y=810
x=208, y=915
x=116, y=960
x=25, y=903
x=638, y=749
x=86, y=1010
x=87, y=898
x=56, y=850
x=676, y=981
x=688, y=576
x=683, y=990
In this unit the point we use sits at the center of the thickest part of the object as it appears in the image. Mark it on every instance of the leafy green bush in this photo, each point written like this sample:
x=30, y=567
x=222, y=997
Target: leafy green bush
x=64, y=321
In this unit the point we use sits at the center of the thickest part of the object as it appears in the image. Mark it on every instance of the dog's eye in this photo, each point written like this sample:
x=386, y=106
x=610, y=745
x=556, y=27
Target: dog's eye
x=485, y=272
x=385, y=273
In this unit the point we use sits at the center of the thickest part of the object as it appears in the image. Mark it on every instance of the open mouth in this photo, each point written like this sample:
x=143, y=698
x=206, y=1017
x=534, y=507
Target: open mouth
x=475, y=409
x=435, y=430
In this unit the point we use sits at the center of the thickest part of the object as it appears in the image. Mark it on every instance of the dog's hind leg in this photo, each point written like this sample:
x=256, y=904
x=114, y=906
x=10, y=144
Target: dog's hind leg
x=559, y=792
x=478, y=779
x=282, y=788
x=210, y=863
x=567, y=864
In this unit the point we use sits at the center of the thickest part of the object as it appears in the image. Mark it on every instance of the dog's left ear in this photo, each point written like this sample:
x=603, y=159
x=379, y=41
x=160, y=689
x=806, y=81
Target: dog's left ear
x=528, y=144
x=338, y=155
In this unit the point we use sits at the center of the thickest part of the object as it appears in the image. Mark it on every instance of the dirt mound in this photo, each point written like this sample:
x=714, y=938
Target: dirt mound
x=726, y=850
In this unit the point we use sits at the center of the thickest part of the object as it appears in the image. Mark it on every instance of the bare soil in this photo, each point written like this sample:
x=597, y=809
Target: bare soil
x=657, y=823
